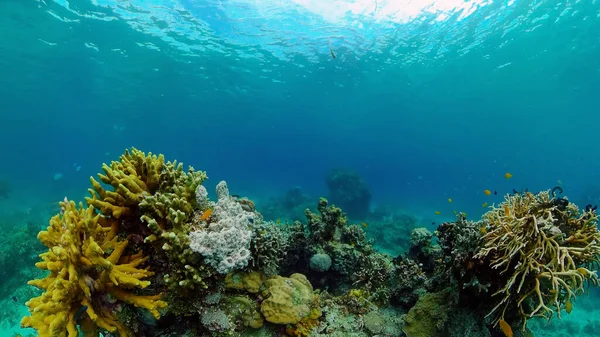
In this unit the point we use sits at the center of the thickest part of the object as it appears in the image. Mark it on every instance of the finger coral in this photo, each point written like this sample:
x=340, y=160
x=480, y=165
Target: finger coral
x=136, y=175
x=167, y=214
x=89, y=277
x=545, y=250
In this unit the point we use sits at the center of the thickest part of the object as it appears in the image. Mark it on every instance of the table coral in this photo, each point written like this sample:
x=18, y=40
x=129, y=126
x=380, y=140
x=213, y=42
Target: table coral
x=545, y=250
x=89, y=276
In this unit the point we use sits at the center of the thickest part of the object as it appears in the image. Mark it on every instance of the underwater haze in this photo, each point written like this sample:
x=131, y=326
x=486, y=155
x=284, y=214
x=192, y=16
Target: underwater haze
x=437, y=107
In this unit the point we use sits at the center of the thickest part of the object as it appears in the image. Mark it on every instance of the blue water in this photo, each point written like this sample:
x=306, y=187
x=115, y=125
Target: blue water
x=426, y=100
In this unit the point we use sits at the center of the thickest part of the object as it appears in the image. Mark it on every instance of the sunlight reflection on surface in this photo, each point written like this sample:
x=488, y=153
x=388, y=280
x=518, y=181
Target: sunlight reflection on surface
x=397, y=11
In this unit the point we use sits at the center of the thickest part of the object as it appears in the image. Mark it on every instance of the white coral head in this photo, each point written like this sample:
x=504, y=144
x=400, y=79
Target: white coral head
x=201, y=194
x=222, y=190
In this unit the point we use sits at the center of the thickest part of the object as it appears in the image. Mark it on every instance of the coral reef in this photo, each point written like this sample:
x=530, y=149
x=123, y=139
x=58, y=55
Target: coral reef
x=136, y=175
x=354, y=261
x=169, y=214
x=88, y=275
x=544, y=249
x=429, y=316
x=268, y=247
x=289, y=300
x=225, y=242
x=152, y=255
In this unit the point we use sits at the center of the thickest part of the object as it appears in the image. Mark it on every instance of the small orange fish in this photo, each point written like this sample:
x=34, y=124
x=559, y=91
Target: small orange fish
x=206, y=214
x=505, y=327
x=449, y=199
x=364, y=224
x=438, y=212
x=568, y=306
x=484, y=205
x=508, y=175
x=487, y=192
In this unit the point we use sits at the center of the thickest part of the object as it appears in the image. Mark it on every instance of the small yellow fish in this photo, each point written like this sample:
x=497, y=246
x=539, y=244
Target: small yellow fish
x=506, y=210
x=449, y=199
x=483, y=230
x=505, y=327
x=508, y=175
x=278, y=221
x=584, y=272
x=364, y=224
x=484, y=205
x=568, y=306
x=438, y=212
x=487, y=192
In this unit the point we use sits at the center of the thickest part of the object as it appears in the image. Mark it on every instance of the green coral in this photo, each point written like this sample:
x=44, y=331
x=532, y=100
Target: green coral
x=327, y=225
x=268, y=246
x=429, y=316
x=244, y=310
x=246, y=281
x=167, y=214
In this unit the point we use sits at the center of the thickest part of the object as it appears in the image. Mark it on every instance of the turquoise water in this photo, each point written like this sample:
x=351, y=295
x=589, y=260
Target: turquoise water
x=426, y=100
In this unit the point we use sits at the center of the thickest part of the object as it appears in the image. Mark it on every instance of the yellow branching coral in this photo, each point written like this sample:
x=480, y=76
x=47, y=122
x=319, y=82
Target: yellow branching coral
x=546, y=249
x=88, y=276
x=136, y=175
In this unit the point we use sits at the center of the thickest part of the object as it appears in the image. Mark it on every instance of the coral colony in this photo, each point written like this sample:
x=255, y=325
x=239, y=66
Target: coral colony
x=150, y=253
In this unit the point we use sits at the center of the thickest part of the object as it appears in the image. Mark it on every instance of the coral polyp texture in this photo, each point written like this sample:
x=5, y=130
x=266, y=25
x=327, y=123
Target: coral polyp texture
x=546, y=250
x=136, y=175
x=225, y=240
x=88, y=271
x=155, y=254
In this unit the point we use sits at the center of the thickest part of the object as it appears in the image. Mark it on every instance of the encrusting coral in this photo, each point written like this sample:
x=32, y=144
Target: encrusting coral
x=545, y=250
x=428, y=317
x=88, y=276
